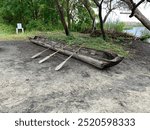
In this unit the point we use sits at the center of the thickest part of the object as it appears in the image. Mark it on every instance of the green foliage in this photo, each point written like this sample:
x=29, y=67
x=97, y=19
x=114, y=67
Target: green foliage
x=75, y=38
x=42, y=14
x=145, y=35
x=91, y=42
x=115, y=26
x=39, y=14
x=6, y=29
x=37, y=25
x=29, y=12
x=83, y=20
x=81, y=26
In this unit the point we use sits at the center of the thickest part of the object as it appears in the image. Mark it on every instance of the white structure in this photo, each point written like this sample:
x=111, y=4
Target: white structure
x=19, y=27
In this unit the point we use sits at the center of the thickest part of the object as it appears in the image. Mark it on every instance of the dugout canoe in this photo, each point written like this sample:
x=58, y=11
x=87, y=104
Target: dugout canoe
x=96, y=58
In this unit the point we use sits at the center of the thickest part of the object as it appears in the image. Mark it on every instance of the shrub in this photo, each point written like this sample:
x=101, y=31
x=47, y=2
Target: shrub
x=145, y=35
x=79, y=27
x=115, y=26
x=4, y=28
x=38, y=25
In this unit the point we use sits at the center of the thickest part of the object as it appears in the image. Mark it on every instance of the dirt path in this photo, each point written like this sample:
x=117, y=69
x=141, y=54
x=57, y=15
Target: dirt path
x=26, y=86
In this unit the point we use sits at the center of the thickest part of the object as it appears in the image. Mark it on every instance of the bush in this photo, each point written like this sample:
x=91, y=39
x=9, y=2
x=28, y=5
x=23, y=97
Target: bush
x=115, y=26
x=4, y=28
x=38, y=25
x=145, y=35
x=79, y=27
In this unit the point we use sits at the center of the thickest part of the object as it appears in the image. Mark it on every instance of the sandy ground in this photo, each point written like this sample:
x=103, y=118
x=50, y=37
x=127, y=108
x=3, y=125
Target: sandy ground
x=26, y=86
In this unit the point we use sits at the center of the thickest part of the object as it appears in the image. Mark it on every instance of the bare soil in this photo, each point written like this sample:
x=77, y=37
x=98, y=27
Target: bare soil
x=26, y=86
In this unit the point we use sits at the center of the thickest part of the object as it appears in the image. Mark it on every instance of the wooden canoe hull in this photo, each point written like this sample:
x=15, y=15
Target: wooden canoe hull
x=102, y=61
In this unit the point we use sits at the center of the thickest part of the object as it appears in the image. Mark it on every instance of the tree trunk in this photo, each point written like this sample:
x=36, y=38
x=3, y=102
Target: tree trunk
x=62, y=17
x=68, y=14
x=93, y=20
x=101, y=22
x=142, y=19
x=106, y=16
x=138, y=14
x=99, y=5
x=92, y=17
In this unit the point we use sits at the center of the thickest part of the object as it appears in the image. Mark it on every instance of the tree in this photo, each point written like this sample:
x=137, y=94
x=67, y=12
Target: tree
x=110, y=6
x=68, y=13
x=70, y=8
x=99, y=5
x=30, y=12
x=62, y=17
x=135, y=6
x=136, y=12
x=88, y=7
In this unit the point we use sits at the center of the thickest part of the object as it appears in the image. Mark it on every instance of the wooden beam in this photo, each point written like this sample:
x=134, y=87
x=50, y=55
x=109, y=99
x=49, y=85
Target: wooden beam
x=101, y=64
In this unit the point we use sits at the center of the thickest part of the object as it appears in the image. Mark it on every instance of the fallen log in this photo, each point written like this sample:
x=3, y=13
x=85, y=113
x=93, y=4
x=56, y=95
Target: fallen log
x=99, y=59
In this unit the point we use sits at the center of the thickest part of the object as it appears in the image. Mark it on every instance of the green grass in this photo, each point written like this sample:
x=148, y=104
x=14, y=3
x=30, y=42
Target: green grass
x=7, y=33
x=91, y=42
x=132, y=25
x=75, y=38
x=145, y=35
x=116, y=26
x=21, y=36
x=6, y=29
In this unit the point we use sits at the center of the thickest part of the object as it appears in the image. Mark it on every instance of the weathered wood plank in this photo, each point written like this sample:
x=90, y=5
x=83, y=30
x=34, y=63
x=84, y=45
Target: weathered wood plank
x=101, y=64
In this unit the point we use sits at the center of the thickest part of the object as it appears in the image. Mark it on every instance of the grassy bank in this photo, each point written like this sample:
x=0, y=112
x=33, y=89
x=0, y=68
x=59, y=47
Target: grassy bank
x=91, y=42
x=7, y=33
x=75, y=38
x=14, y=36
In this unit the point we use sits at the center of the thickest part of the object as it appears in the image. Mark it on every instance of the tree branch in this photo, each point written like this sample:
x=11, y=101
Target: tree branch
x=135, y=7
